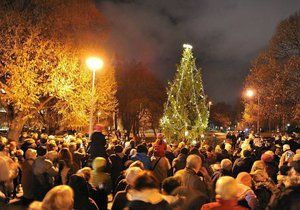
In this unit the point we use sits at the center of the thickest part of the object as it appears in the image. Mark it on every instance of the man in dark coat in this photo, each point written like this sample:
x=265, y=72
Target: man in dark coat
x=97, y=147
x=242, y=164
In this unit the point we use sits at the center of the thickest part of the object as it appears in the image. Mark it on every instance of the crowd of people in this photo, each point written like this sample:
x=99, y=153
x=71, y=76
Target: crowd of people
x=73, y=172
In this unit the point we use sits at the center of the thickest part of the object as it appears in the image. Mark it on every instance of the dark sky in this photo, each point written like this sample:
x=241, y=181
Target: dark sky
x=226, y=36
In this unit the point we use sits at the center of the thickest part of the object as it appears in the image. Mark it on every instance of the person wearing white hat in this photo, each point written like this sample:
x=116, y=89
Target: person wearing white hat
x=286, y=156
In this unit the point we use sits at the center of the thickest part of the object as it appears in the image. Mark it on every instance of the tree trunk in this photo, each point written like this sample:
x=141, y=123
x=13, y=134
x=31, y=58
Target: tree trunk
x=16, y=127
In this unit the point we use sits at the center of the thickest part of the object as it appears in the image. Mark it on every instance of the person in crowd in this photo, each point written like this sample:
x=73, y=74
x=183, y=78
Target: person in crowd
x=100, y=179
x=160, y=165
x=290, y=196
x=287, y=155
x=97, y=147
x=145, y=194
x=43, y=174
x=120, y=200
x=189, y=177
x=242, y=164
x=225, y=170
x=271, y=166
x=117, y=160
x=142, y=156
x=227, y=191
x=82, y=201
x=160, y=146
x=169, y=185
x=58, y=198
x=180, y=161
x=67, y=167
x=246, y=196
x=27, y=175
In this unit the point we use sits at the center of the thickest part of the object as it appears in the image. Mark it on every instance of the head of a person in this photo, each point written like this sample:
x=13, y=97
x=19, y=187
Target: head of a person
x=2, y=146
x=79, y=185
x=30, y=154
x=226, y=165
x=86, y=172
x=160, y=136
x=145, y=181
x=259, y=175
x=258, y=165
x=296, y=163
x=184, y=151
x=169, y=185
x=99, y=164
x=194, y=162
x=246, y=153
x=58, y=198
x=72, y=147
x=66, y=156
x=137, y=164
x=142, y=149
x=226, y=188
x=286, y=147
x=118, y=149
x=4, y=175
x=244, y=178
x=41, y=151
x=131, y=174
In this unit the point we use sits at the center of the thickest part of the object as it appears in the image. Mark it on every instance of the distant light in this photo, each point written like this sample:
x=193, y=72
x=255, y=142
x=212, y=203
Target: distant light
x=288, y=125
x=186, y=133
x=202, y=136
x=210, y=103
x=187, y=46
x=249, y=93
x=94, y=63
x=246, y=130
x=2, y=91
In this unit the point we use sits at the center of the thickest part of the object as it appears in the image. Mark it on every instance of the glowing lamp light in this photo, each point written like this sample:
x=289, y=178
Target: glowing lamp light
x=187, y=46
x=186, y=133
x=94, y=63
x=249, y=93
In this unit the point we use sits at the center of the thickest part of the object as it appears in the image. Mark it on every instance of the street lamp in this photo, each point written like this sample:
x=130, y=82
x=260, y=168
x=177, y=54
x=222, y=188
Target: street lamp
x=94, y=64
x=209, y=105
x=98, y=117
x=250, y=94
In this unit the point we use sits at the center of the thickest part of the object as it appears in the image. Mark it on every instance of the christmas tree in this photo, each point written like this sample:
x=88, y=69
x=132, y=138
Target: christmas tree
x=186, y=113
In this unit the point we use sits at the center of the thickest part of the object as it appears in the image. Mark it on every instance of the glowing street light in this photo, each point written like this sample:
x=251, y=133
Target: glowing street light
x=209, y=105
x=94, y=64
x=249, y=93
x=98, y=116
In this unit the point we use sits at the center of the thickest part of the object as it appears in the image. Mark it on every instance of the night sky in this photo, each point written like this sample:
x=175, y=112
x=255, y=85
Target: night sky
x=226, y=36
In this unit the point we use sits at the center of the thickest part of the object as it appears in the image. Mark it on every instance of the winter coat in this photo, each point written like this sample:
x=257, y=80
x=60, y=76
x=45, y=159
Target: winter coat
x=179, y=162
x=219, y=174
x=246, y=197
x=242, y=165
x=117, y=166
x=97, y=146
x=191, y=180
x=289, y=199
x=144, y=158
x=27, y=179
x=160, y=167
x=120, y=200
x=223, y=205
x=101, y=180
x=147, y=199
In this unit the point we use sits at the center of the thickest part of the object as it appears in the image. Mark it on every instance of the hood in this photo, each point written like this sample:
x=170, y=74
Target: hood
x=148, y=195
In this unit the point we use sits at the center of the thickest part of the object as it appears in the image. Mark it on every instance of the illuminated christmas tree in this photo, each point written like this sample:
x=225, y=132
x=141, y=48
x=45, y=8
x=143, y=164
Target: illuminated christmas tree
x=186, y=112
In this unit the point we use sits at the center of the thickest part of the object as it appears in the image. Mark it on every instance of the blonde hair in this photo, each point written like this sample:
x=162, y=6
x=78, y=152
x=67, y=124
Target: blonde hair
x=258, y=165
x=58, y=198
x=227, y=188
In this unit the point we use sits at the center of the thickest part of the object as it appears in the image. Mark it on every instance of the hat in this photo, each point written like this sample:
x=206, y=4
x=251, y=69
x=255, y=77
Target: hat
x=118, y=149
x=286, y=147
x=131, y=174
x=98, y=128
x=30, y=154
x=160, y=136
x=267, y=158
x=244, y=178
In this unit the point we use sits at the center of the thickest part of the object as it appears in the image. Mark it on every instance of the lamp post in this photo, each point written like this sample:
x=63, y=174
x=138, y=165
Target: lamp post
x=94, y=64
x=98, y=117
x=209, y=105
x=250, y=94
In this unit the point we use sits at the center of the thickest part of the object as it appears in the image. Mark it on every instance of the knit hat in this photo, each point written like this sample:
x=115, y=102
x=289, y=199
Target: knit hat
x=267, y=158
x=98, y=128
x=160, y=136
x=30, y=154
x=244, y=178
x=286, y=147
x=131, y=174
x=226, y=164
